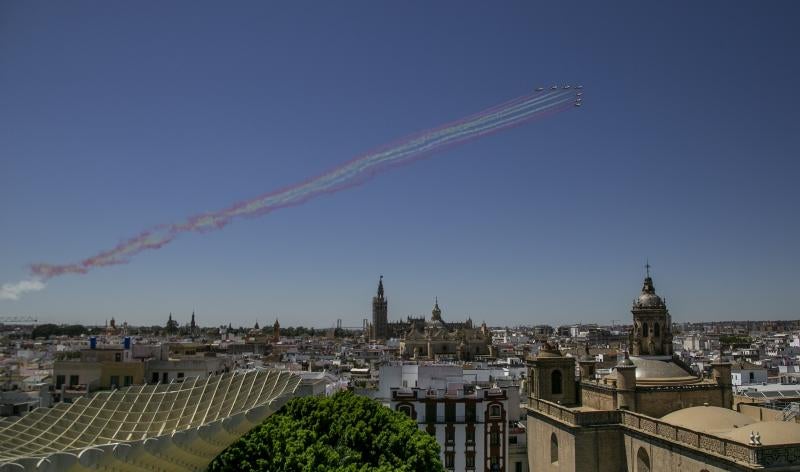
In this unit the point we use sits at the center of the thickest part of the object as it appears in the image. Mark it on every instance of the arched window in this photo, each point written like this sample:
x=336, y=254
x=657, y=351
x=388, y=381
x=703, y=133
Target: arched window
x=642, y=461
x=405, y=409
x=555, y=382
x=553, y=449
x=656, y=330
x=645, y=331
x=495, y=411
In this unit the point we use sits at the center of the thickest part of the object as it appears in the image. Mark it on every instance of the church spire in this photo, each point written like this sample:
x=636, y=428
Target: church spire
x=437, y=312
x=380, y=287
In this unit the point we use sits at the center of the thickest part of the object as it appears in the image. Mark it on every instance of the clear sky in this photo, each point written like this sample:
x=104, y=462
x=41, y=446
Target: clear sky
x=118, y=116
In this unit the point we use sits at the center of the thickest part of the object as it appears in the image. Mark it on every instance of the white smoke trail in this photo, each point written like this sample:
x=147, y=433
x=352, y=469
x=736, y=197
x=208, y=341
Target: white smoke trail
x=14, y=291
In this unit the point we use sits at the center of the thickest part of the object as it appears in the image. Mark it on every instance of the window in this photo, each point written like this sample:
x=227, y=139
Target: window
x=471, y=435
x=494, y=439
x=449, y=460
x=518, y=466
x=495, y=411
x=512, y=439
x=553, y=448
x=74, y=380
x=180, y=375
x=114, y=381
x=154, y=377
x=656, y=330
x=118, y=357
x=752, y=377
x=470, y=457
x=406, y=409
x=555, y=382
x=60, y=379
x=430, y=412
x=450, y=412
x=165, y=377
x=645, y=331
x=128, y=380
x=642, y=461
x=450, y=433
x=470, y=412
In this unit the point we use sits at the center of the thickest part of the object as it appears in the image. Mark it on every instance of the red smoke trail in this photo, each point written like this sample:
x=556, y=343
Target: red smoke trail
x=492, y=120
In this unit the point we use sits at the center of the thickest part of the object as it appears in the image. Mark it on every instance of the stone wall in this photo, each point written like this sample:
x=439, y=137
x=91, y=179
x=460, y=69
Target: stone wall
x=659, y=401
x=597, y=398
x=606, y=441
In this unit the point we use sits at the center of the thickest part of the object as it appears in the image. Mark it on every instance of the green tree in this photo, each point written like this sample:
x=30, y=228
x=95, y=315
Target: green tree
x=345, y=432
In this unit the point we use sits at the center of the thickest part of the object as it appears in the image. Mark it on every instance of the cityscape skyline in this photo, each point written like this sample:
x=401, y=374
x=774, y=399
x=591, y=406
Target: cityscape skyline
x=683, y=154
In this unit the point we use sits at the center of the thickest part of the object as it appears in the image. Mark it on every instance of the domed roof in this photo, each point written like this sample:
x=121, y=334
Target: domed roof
x=658, y=371
x=649, y=300
x=769, y=432
x=708, y=419
x=648, y=297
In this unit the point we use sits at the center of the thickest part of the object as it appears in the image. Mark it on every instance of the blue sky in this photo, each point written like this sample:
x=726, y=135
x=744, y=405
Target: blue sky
x=116, y=117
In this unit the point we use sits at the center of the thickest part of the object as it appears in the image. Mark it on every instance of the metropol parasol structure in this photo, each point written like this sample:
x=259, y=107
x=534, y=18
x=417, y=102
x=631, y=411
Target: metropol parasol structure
x=164, y=427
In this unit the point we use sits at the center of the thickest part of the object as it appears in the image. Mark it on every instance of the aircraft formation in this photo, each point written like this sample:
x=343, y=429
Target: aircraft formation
x=578, y=94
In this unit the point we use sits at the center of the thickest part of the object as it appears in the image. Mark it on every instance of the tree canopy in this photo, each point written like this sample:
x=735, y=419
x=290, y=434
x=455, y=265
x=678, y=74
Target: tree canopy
x=344, y=432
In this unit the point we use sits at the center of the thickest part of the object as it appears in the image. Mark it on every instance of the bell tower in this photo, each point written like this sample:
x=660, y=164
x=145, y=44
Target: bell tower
x=652, y=323
x=552, y=376
x=380, y=313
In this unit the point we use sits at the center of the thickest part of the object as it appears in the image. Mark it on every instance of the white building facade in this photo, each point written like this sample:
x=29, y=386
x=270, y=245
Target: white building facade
x=470, y=423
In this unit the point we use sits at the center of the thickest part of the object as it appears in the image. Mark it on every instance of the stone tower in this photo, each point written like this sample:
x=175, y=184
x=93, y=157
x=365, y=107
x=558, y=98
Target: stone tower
x=652, y=324
x=552, y=376
x=380, y=313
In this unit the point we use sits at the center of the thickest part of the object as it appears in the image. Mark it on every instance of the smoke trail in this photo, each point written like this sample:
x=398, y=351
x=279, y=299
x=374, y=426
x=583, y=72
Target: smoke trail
x=352, y=173
x=13, y=291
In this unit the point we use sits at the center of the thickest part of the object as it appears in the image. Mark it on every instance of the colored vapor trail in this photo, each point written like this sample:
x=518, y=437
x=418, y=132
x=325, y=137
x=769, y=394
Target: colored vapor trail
x=354, y=172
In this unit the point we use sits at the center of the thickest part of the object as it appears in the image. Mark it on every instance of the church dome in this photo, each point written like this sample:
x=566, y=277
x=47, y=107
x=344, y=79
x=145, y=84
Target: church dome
x=661, y=372
x=648, y=297
x=649, y=300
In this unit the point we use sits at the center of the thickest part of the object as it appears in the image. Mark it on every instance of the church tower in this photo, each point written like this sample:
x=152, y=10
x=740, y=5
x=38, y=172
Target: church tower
x=380, y=313
x=552, y=376
x=652, y=323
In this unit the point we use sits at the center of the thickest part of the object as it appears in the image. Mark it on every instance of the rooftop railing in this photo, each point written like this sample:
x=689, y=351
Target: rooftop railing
x=761, y=455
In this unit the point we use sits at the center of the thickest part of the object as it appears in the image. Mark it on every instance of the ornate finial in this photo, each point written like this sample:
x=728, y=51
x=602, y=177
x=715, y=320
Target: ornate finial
x=380, y=287
x=647, y=267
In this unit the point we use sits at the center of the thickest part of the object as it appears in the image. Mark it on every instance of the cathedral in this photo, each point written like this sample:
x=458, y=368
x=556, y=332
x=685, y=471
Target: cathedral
x=651, y=413
x=436, y=340
x=430, y=340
